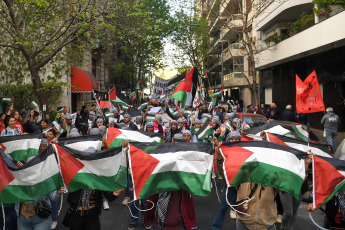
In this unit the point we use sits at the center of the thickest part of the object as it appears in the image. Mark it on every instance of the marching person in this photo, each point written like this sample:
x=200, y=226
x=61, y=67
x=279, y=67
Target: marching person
x=331, y=122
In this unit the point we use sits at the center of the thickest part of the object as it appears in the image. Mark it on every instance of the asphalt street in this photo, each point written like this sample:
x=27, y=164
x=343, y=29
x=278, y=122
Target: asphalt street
x=117, y=218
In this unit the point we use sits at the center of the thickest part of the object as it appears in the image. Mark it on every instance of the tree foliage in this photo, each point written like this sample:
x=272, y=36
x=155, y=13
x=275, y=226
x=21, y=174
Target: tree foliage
x=23, y=94
x=42, y=39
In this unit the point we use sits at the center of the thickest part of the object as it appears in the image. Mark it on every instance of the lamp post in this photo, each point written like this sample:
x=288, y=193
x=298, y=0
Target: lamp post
x=221, y=38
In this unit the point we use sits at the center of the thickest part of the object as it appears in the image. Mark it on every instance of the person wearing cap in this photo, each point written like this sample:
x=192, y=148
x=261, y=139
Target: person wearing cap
x=149, y=127
x=43, y=145
x=171, y=131
x=74, y=133
x=330, y=122
x=99, y=122
x=67, y=125
x=187, y=136
x=90, y=121
x=126, y=123
x=139, y=123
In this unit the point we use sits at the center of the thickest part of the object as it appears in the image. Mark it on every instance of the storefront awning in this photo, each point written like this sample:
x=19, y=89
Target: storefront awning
x=83, y=81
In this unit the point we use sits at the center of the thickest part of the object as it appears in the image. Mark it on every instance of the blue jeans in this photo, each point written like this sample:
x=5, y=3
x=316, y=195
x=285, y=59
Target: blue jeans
x=33, y=223
x=54, y=214
x=223, y=208
x=10, y=218
x=134, y=210
x=331, y=135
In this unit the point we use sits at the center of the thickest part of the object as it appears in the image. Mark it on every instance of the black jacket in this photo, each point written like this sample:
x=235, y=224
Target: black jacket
x=73, y=199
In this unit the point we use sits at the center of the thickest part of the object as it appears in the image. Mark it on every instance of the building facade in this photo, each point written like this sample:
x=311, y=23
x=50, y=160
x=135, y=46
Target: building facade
x=321, y=47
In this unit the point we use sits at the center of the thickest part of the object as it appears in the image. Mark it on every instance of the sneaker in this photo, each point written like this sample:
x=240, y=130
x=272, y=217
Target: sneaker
x=233, y=214
x=125, y=201
x=148, y=227
x=279, y=219
x=106, y=205
x=132, y=227
x=54, y=224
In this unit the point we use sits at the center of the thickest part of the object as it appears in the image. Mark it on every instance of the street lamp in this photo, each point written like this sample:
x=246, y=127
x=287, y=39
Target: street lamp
x=221, y=37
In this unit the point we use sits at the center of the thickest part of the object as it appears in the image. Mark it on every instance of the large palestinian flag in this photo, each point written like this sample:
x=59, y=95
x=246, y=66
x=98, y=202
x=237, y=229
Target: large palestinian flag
x=271, y=127
x=184, y=89
x=21, y=147
x=328, y=179
x=164, y=167
x=318, y=149
x=264, y=163
x=82, y=143
x=115, y=137
x=38, y=177
x=103, y=170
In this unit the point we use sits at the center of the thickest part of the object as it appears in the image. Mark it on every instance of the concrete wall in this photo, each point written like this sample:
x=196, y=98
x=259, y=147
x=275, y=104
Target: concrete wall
x=313, y=39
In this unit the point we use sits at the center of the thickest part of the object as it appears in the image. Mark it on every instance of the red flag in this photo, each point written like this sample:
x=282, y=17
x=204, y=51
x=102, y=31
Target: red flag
x=308, y=95
x=328, y=179
x=112, y=94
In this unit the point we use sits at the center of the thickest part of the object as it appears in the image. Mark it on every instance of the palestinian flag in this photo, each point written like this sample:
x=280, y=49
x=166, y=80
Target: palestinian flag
x=143, y=106
x=21, y=147
x=132, y=95
x=57, y=126
x=301, y=133
x=271, y=127
x=109, y=115
x=37, y=178
x=245, y=126
x=59, y=111
x=188, y=113
x=138, y=84
x=317, y=149
x=7, y=100
x=165, y=167
x=124, y=107
x=328, y=178
x=105, y=170
x=207, y=115
x=82, y=143
x=204, y=76
x=115, y=137
x=34, y=104
x=184, y=88
x=265, y=163
x=205, y=130
x=228, y=126
x=216, y=94
x=176, y=113
x=114, y=99
x=150, y=118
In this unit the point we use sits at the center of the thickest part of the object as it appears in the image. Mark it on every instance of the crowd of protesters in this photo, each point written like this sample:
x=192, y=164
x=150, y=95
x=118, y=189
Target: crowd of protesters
x=170, y=210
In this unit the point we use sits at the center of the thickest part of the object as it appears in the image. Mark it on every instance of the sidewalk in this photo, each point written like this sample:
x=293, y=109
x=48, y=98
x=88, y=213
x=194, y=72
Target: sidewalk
x=319, y=134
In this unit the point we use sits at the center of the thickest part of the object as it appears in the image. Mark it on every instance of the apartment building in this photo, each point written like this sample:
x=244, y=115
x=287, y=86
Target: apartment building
x=285, y=54
x=227, y=51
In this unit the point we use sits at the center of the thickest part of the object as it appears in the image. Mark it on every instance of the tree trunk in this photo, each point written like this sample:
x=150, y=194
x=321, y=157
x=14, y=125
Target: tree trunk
x=42, y=99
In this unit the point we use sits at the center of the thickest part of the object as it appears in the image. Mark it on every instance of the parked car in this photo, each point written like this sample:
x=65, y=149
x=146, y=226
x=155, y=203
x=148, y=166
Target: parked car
x=252, y=119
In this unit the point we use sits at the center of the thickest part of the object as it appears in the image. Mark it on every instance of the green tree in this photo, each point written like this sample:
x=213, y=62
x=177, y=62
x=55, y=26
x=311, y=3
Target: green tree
x=36, y=32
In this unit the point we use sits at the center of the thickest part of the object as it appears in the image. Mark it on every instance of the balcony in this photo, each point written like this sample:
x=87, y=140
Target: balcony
x=234, y=50
x=215, y=43
x=234, y=79
x=275, y=11
x=227, y=7
x=232, y=27
x=329, y=33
